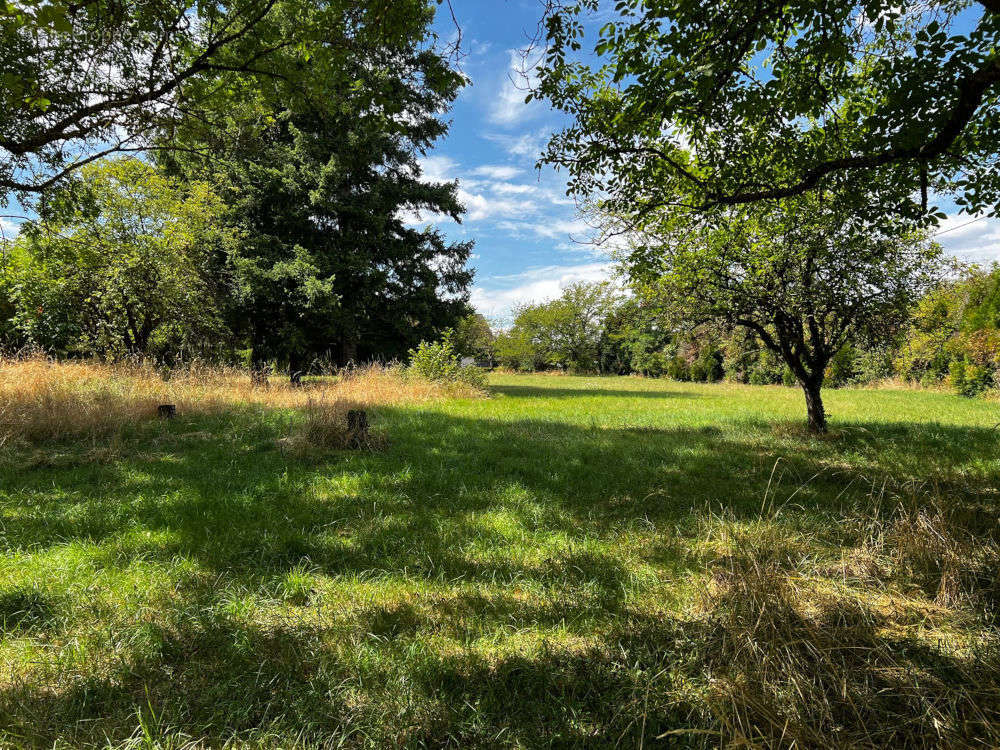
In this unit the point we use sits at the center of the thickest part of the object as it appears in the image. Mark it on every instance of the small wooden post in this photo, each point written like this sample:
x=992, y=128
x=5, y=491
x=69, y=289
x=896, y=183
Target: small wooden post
x=357, y=426
x=166, y=411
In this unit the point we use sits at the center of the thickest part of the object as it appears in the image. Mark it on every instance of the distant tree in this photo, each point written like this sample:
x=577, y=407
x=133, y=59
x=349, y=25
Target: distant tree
x=740, y=101
x=518, y=349
x=321, y=186
x=124, y=260
x=566, y=332
x=473, y=337
x=641, y=336
x=805, y=275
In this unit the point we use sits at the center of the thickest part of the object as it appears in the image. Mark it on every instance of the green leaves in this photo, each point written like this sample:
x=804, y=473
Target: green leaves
x=122, y=262
x=878, y=90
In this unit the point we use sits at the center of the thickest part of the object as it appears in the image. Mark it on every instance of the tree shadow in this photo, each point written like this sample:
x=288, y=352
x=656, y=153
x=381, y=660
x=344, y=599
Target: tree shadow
x=529, y=391
x=525, y=505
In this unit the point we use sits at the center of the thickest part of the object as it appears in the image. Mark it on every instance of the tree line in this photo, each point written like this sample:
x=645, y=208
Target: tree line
x=264, y=218
x=948, y=337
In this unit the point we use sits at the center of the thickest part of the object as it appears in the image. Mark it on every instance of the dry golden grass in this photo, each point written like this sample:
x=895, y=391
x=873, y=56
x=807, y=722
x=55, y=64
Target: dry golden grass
x=793, y=665
x=44, y=400
x=326, y=425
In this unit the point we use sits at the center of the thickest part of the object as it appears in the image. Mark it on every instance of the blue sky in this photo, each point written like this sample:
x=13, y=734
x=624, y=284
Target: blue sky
x=529, y=240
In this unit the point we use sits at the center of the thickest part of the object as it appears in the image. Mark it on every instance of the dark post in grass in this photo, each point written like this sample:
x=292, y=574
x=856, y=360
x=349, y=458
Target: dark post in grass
x=357, y=427
x=166, y=411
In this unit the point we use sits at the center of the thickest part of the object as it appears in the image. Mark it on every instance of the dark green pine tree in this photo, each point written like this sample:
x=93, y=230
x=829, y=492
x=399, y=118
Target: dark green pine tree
x=320, y=168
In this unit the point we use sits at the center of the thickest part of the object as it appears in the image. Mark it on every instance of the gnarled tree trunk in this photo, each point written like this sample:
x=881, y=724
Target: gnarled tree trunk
x=814, y=405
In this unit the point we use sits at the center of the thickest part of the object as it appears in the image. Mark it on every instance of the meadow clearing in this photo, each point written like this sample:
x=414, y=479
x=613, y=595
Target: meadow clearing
x=566, y=561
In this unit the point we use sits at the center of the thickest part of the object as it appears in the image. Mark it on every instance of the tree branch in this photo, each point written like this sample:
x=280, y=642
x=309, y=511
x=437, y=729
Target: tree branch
x=972, y=89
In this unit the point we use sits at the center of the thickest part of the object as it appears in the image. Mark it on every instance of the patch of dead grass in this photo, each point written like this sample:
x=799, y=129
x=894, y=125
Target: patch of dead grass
x=43, y=400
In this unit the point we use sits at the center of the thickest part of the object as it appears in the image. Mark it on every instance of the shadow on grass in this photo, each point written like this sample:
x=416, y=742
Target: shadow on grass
x=454, y=499
x=23, y=610
x=220, y=681
x=591, y=391
x=448, y=482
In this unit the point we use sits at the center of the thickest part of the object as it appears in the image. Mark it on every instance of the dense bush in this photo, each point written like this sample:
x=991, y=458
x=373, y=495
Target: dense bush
x=955, y=335
x=439, y=363
x=707, y=366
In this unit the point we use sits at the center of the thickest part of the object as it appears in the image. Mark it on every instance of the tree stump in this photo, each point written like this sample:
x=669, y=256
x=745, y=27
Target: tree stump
x=166, y=411
x=357, y=428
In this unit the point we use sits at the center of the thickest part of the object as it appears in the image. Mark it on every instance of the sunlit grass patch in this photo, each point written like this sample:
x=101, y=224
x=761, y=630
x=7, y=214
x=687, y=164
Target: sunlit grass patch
x=577, y=562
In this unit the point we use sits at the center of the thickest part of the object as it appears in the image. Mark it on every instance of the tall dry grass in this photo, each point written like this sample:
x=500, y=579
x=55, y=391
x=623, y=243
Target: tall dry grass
x=795, y=665
x=45, y=400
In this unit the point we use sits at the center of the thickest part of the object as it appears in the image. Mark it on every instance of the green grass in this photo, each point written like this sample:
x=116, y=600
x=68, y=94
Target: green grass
x=540, y=568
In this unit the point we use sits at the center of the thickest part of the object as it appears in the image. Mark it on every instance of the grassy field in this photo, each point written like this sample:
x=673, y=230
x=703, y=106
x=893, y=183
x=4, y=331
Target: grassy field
x=606, y=562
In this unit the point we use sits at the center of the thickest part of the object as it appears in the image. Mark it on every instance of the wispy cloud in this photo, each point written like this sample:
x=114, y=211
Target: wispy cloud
x=971, y=238
x=9, y=228
x=497, y=171
x=438, y=168
x=480, y=207
x=497, y=296
x=509, y=107
x=550, y=228
x=529, y=144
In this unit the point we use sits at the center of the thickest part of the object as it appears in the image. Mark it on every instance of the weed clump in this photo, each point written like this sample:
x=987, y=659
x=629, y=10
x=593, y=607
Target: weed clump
x=935, y=549
x=794, y=666
x=331, y=425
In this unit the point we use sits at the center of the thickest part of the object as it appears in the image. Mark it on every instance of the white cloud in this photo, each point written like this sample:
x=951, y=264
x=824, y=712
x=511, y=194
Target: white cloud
x=479, y=207
x=528, y=145
x=509, y=107
x=438, y=168
x=497, y=171
x=501, y=294
x=9, y=229
x=550, y=228
x=971, y=238
x=489, y=193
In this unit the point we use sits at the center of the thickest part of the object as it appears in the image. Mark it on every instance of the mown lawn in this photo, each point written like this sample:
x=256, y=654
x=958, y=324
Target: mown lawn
x=558, y=565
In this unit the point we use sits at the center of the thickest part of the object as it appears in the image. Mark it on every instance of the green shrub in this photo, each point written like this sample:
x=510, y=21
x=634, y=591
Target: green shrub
x=968, y=379
x=438, y=362
x=769, y=370
x=873, y=365
x=678, y=368
x=841, y=369
x=707, y=368
x=956, y=376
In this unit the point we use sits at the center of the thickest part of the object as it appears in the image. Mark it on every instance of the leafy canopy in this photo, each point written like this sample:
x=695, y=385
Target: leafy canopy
x=80, y=80
x=738, y=101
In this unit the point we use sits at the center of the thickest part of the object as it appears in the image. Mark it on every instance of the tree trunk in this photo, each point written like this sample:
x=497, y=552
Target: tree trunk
x=258, y=364
x=814, y=405
x=348, y=350
x=295, y=364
